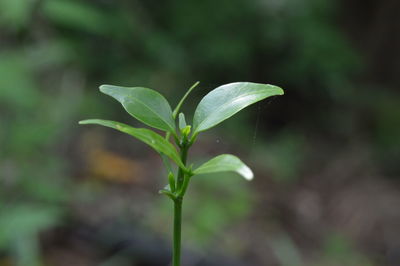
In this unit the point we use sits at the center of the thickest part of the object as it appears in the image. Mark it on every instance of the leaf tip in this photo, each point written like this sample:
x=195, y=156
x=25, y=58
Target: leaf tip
x=249, y=177
x=246, y=173
x=104, y=88
x=280, y=91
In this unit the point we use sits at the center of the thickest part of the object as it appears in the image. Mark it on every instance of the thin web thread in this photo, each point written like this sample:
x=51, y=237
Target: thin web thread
x=259, y=104
x=256, y=128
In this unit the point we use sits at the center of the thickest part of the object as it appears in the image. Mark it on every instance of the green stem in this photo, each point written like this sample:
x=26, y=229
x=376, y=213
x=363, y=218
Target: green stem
x=181, y=172
x=176, y=256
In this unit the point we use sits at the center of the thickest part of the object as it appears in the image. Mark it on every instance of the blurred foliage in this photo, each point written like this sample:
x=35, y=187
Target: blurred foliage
x=284, y=155
x=339, y=251
x=206, y=216
x=55, y=53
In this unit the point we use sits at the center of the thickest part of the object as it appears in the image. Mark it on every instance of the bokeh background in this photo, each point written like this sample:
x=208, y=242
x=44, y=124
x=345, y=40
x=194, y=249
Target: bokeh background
x=326, y=154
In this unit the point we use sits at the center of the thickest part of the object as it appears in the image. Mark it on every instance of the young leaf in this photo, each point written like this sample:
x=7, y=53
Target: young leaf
x=182, y=121
x=149, y=137
x=225, y=101
x=225, y=163
x=146, y=105
x=178, y=107
x=167, y=191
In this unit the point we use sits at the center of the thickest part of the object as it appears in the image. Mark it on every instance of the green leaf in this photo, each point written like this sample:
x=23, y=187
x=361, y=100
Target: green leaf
x=167, y=191
x=225, y=163
x=146, y=105
x=149, y=137
x=225, y=101
x=182, y=121
x=178, y=107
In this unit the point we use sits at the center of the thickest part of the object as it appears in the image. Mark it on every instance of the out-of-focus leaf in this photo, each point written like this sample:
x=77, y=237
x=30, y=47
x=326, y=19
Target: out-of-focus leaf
x=149, y=137
x=25, y=220
x=225, y=163
x=17, y=85
x=146, y=105
x=76, y=15
x=15, y=13
x=225, y=101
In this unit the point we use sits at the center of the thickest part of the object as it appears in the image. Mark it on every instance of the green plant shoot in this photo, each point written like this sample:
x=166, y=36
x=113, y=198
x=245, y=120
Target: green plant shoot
x=152, y=109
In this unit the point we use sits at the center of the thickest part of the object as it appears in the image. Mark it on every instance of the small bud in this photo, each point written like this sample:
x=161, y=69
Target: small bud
x=186, y=131
x=171, y=181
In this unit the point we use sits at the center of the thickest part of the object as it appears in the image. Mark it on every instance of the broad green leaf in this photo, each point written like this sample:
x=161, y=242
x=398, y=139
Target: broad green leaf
x=225, y=101
x=225, y=163
x=146, y=105
x=149, y=137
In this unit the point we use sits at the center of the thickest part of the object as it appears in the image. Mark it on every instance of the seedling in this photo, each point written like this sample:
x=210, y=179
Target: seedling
x=151, y=108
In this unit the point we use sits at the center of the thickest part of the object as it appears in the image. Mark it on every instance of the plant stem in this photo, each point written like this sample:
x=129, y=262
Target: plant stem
x=176, y=257
x=181, y=174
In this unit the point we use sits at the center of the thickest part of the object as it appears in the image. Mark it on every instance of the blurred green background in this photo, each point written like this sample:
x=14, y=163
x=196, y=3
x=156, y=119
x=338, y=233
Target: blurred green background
x=326, y=155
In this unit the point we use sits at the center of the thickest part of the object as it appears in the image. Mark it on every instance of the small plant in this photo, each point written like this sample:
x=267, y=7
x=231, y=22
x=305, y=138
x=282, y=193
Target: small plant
x=151, y=108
